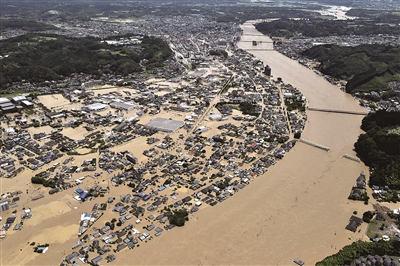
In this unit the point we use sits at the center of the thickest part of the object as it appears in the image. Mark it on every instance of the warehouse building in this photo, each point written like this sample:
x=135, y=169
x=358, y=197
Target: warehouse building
x=122, y=106
x=26, y=104
x=18, y=99
x=4, y=100
x=163, y=124
x=132, y=158
x=96, y=107
x=55, y=115
x=6, y=106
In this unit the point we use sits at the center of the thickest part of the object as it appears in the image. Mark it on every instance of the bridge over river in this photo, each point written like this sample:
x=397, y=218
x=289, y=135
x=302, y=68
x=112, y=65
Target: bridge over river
x=337, y=111
x=259, y=42
x=259, y=49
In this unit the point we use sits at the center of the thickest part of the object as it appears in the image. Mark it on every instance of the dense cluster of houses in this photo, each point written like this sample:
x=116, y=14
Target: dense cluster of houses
x=375, y=260
x=358, y=191
x=9, y=201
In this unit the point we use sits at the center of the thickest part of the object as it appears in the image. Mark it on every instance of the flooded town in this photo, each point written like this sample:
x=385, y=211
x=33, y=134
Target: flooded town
x=239, y=144
x=183, y=139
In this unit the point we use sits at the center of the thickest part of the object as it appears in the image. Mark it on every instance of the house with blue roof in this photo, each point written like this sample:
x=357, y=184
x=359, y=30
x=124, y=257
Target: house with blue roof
x=83, y=195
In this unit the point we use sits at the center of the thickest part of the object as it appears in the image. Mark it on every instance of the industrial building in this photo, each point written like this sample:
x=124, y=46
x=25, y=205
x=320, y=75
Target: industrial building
x=96, y=107
x=7, y=106
x=26, y=104
x=55, y=115
x=163, y=124
x=122, y=106
x=132, y=158
x=18, y=99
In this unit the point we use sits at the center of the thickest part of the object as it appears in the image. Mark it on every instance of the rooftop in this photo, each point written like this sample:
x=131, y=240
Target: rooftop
x=163, y=124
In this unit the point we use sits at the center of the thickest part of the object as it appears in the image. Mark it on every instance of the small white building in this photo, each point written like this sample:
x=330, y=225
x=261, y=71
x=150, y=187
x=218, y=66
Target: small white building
x=287, y=94
x=201, y=129
x=10, y=131
x=216, y=117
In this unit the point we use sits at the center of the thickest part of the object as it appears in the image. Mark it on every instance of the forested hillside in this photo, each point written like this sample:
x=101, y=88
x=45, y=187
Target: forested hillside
x=361, y=249
x=368, y=67
x=379, y=148
x=383, y=15
x=37, y=58
x=323, y=27
x=8, y=24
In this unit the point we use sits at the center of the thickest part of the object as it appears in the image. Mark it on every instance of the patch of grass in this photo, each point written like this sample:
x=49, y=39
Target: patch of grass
x=44, y=38
x=374, y=229
x=71, y=153
x=378, y=82
x=118, y=53
x=371, y=229
x=11, y=94
x=395, y=131
x=145, y=75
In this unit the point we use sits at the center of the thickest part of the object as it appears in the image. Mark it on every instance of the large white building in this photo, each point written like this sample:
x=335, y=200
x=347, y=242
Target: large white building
x=163, y=124
x=216, y=117
x=96, y=107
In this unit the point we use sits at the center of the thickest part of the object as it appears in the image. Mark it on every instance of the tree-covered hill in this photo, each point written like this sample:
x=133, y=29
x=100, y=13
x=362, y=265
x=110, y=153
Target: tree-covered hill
x=368, y=67
x=379, y=148
x=322, y=27
x=378, y=15
x=361, y=249
x=9, y=24
x=37, y=58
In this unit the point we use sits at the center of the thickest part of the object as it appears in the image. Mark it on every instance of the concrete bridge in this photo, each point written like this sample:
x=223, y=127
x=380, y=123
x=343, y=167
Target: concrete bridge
x=337, y=111
x=253, y=35
x=260, y=49
x=258, y=42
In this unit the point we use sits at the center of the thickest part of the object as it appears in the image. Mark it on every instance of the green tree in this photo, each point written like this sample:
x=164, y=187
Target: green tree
x=178, y=217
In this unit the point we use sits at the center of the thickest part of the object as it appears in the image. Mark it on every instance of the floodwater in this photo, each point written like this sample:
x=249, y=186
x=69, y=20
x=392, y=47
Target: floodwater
x=298, y=209
x=339, y=12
